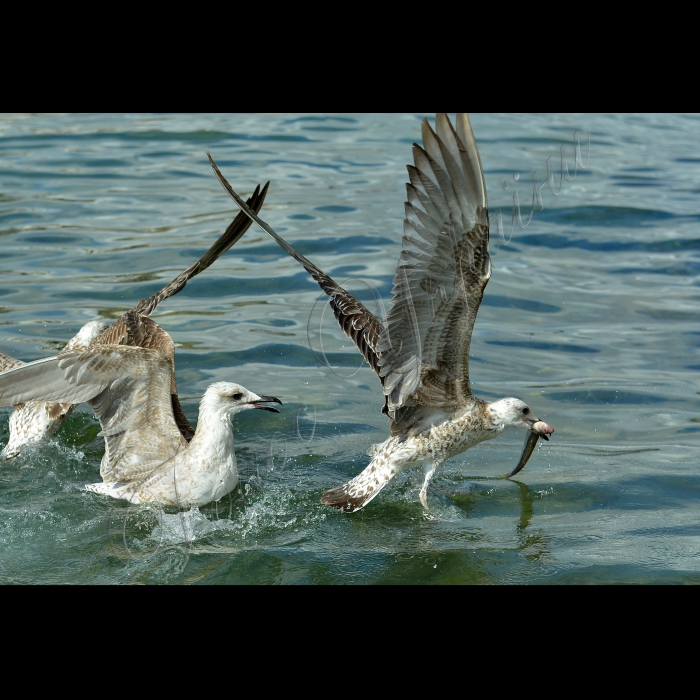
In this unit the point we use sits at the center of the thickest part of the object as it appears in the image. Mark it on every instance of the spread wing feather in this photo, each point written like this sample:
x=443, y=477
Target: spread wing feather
x=136, y=415
x=421, y=355
x=134, y=407
x=46, y=378
x=129, y=390
x=42, y=380
x=356, y=321
x=442, y=272
x=135, y=329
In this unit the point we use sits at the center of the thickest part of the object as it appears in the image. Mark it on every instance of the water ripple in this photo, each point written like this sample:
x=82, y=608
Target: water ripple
x=590, y=316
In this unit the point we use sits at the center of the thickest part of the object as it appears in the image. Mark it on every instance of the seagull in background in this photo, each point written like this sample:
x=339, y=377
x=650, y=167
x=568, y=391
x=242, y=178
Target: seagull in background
x=146, y=459
x=34, y=420
x=421, y=353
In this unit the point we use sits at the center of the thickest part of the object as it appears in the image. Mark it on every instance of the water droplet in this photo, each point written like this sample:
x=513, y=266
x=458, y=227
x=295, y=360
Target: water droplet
x=516, y=176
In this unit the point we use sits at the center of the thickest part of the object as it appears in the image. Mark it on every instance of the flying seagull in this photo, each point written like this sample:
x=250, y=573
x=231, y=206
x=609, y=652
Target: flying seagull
x=421, y=352
x=146, y=458
x=34, y=420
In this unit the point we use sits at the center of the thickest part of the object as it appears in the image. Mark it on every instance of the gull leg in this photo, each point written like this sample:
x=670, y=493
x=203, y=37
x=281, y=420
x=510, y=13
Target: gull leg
x=428, y=471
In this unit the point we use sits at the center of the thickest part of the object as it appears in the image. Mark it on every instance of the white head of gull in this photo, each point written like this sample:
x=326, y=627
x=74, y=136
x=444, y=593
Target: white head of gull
x=36, y=420
x=146, y=458
x=421, y=352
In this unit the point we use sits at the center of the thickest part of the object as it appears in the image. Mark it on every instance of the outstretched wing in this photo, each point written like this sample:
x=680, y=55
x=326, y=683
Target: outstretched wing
x=356, y=321
x=43, y=380
x=135, y=329
x=422, y=355
x=442, y=272
x=129, y=391
x=134, y=408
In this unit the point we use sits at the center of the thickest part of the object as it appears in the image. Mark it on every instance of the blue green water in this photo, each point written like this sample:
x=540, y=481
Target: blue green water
x=591, y=316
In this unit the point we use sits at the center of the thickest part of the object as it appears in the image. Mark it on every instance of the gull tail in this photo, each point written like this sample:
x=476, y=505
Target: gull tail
x=358, y=492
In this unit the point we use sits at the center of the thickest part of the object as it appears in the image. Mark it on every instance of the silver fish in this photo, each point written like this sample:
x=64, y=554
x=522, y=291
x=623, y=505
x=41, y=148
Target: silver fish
x=543, y=431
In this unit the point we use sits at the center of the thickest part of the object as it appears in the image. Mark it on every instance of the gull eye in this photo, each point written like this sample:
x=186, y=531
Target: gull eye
x=525, y=411
x=237, y=396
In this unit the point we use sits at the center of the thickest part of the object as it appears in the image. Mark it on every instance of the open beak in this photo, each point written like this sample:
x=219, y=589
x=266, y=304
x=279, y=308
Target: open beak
x=538, y=429
x=266, y=399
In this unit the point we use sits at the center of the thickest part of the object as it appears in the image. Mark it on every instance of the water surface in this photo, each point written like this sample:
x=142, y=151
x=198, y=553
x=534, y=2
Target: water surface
x=590, y=316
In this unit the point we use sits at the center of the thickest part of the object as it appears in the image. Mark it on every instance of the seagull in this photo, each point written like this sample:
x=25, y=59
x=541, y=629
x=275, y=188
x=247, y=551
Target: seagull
x=146, y=459
x=34, y=420
x=421, y=352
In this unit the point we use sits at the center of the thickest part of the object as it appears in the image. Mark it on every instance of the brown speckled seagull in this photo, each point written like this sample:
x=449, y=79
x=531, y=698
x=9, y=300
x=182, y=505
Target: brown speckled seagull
x=34, y=420
x=421, y=352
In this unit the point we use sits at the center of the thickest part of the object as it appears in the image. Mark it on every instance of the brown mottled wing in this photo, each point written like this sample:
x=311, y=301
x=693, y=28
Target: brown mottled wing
x=134, y=407
x=138, y=331
x=442, y=272
x=356, y=321
x=7, y=362
x=135, y=329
